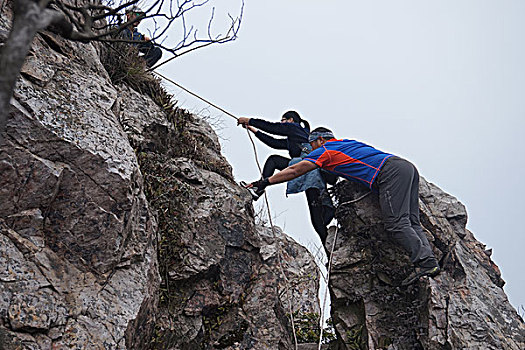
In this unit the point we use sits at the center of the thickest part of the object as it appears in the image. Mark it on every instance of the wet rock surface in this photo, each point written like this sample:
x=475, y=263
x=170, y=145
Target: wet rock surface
x=462, y=308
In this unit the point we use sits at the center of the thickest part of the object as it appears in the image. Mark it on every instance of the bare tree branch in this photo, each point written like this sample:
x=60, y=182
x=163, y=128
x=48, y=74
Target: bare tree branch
x=100, y=20
x=29, y=17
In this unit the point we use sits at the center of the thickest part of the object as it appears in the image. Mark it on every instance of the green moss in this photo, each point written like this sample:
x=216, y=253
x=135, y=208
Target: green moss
x=307, y=329
x=169, y=197
x=354, y=338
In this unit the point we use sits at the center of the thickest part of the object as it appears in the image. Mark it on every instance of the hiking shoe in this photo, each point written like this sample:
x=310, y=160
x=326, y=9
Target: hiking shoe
x=255, y=194
x=421, y=272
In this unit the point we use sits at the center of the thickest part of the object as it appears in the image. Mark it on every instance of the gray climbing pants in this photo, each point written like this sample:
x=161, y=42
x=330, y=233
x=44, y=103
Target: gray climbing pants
x=398, y=185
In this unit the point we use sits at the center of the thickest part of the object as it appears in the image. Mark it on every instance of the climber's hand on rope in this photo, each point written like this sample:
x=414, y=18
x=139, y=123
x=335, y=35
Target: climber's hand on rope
x=243, y=121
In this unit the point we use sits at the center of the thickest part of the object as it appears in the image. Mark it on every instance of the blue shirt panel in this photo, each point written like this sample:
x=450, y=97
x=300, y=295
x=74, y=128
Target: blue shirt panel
x=351, y=159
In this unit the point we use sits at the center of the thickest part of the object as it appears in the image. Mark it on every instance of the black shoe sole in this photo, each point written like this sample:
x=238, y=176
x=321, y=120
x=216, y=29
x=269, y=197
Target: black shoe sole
x=254, y=195
x=430, y=273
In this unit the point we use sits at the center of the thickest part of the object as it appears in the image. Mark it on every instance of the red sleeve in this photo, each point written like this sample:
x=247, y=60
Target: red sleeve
x=327, y=159
x=316, y=156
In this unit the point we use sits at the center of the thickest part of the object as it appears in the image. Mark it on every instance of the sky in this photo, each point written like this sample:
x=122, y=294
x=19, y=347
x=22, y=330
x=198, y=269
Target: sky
x=440, y=83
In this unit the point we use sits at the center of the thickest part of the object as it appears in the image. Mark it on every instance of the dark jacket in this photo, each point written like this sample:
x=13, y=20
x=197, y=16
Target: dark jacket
x=132, y=35
x=294, y=132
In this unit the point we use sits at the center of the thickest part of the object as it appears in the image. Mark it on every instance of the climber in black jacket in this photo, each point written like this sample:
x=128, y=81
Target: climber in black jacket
x=296, y=142
x=144, y=44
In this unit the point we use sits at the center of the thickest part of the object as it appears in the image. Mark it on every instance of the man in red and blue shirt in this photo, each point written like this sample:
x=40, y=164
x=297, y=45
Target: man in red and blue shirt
x=396, y=180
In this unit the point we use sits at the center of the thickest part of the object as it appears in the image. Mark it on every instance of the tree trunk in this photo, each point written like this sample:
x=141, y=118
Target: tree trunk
x=29, y=17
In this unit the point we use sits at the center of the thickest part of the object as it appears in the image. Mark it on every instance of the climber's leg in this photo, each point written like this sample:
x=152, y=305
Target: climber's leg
x=429, y=261
x=151, y=53
x=313, y=197
x=395, y=196
x=274, y=162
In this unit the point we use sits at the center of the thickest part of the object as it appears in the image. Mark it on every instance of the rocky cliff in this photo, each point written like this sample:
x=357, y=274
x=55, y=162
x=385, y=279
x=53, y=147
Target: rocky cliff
x=122, y=227
x=120, y=224
x=462, y=308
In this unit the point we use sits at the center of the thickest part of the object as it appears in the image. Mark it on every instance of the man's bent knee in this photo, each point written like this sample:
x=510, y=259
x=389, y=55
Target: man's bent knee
x=397, y=224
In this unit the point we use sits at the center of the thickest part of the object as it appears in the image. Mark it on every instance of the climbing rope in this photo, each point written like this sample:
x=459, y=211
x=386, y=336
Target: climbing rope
x=326, y=290
x=329, y=268
x=197, y=96
x=355, y=200
x=279, y=251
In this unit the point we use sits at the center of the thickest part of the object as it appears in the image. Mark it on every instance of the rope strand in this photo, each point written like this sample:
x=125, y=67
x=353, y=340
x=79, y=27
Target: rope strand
x=326, y=290
x=279, y=251
x=197, y=96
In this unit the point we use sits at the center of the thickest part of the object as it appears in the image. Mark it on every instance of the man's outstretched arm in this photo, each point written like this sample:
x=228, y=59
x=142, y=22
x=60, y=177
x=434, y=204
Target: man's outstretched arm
x=287, y=174
x=292, y=172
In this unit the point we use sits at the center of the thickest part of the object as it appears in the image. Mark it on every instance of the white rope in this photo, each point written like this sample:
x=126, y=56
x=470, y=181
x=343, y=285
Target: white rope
x=279, y=251
x=197, y=96
x=355, y=200
x=329, y=269
x=326, y=290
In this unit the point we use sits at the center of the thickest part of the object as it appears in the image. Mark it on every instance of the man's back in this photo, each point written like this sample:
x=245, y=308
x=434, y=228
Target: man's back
x=351, y=159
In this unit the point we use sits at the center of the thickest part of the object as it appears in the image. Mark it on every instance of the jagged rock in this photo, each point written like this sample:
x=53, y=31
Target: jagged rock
x=78, y=237
x=298, y=265
x=462, y=308
x=78, y=252
x=104, y=187
x=223, y=281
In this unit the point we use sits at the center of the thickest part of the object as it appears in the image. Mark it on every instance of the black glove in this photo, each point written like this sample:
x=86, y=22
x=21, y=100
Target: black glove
x=260, y=185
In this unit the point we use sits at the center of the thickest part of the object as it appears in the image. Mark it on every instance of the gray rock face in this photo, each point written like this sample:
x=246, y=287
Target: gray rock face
x=462, y=308
x=78, y=254
x=121, y=228
x=223, y=284
x=84, y=233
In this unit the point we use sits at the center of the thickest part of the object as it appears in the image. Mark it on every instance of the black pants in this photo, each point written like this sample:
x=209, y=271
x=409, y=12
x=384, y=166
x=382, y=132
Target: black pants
x=320, y=215
x=151, y=53
x=274, y=162
x=398, y=185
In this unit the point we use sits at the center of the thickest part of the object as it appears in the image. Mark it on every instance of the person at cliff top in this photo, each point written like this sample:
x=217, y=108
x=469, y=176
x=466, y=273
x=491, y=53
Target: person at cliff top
x=151, y=52
x=396, y=180
x=296, y=142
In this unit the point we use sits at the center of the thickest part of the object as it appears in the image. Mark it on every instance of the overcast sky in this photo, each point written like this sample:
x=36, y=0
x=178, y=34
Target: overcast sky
x=440, y=83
